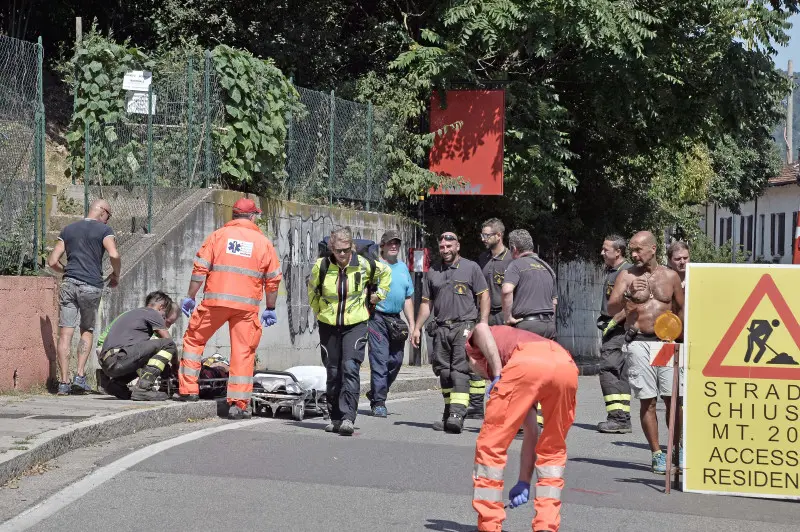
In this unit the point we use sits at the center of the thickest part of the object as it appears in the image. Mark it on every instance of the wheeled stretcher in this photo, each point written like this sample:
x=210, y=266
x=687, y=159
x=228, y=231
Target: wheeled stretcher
x=298, y=388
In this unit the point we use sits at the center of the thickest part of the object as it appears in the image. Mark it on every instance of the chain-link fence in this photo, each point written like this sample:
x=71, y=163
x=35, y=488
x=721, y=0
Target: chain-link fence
x=145, y=164
x=336, y=152
x=21, y=155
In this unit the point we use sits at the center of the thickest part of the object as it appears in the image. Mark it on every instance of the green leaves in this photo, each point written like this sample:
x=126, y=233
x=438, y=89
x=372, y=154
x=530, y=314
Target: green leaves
x=257, y=99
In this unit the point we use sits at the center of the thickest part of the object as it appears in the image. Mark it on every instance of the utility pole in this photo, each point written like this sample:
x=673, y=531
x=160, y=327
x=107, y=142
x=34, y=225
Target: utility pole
x=790, y=117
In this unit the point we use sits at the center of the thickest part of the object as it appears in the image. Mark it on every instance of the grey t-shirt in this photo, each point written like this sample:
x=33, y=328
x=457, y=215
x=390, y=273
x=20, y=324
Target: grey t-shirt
x=133, y=327
x=611, y=278
x=83, y=242
x=494, y=270
x=534, y=286
x=452, y=289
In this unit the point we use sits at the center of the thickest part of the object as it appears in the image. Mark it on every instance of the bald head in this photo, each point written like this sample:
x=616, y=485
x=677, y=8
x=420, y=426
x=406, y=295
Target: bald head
x=100, y=210
x=643, y=248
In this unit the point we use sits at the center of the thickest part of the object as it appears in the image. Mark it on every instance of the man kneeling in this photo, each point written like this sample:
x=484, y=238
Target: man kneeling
x=137, y=343
x=525, y=369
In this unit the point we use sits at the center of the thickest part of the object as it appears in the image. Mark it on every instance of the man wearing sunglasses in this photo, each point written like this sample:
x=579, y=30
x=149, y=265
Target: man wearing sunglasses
x=452, y=287
x=85, y=243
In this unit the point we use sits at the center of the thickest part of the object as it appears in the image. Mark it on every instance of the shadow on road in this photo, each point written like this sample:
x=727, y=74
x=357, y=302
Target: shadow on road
x=415, y=424
x=448, y=526
x=585, y=426
x=615, y=464
x=657, y=484
x=631, y=444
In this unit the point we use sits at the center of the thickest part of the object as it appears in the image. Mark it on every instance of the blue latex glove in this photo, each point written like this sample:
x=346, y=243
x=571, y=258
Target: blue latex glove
x=491, y=385
x=519, y=494
x=268, y=318
x=187, y=305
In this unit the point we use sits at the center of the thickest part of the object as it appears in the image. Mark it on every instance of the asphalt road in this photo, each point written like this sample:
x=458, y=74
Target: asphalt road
x=394, y=474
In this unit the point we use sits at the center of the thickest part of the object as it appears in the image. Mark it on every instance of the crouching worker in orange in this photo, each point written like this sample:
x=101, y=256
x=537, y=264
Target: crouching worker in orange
x=238, y=264
x=524, y=369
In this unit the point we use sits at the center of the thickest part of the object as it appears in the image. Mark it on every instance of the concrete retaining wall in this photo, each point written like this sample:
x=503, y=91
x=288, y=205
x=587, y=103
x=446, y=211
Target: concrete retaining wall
x=164, y=261
x=27, y=337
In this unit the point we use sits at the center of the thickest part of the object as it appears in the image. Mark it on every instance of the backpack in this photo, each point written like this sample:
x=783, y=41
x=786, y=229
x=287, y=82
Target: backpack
x=366, y=248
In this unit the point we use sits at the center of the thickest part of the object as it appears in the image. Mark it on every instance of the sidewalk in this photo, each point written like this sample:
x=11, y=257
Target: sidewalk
x=38, y=428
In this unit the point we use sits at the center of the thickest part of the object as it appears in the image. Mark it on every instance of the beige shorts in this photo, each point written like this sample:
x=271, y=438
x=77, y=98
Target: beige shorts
x=648, y=381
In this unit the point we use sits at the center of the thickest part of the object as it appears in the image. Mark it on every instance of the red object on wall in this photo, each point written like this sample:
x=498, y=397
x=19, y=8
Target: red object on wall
x=475, y=151
x=419, y=259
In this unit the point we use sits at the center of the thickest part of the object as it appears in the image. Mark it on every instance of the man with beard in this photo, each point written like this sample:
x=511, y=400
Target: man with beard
x=645, y=292
x=452, y=287
x=678, y=258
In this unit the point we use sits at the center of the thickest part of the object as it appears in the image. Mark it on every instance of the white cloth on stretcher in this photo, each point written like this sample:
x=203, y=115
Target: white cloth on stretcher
x=309, y=377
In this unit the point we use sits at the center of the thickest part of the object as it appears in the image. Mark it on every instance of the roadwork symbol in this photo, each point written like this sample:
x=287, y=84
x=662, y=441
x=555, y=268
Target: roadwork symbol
x=782, y=365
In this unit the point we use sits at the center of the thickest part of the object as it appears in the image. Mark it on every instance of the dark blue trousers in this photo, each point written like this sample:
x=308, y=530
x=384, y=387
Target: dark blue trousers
x=385, y=359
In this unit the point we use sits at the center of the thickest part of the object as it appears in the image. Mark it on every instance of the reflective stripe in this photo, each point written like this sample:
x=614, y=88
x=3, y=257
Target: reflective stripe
x=539, y=419
x=231, y=297
x=617, y=397
x=191, y=372
x=240, y=380
x=618, y=406
x=548, y=492
x=459, y=398
x=203, y=262
x=475, y=390
x=550, y=471
x=156, y=363
x=270, y=275
x=446, y=390
x=487, y=494
x=484, y=471
x=198, y=278
x=232, y=394
x=192, y=356
x=166, y=356
x=236, y=269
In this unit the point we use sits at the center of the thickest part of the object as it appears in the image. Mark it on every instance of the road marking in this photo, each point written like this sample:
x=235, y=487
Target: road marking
x=73, y=492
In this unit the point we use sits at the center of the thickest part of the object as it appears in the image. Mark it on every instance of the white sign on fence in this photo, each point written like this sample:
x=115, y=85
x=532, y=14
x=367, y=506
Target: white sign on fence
x=137, y=80
x=136, y=102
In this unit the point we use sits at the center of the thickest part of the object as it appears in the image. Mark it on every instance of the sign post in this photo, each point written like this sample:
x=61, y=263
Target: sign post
x=668, y=327
x=742, y=421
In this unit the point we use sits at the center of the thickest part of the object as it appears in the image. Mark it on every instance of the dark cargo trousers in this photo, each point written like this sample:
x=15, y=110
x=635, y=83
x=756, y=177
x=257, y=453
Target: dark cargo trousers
x=449, y=362
x=343, y=351
x=121, y=364
x=614, y=377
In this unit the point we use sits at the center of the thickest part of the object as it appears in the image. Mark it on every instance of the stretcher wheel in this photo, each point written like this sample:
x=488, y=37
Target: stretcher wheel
x=298, y=411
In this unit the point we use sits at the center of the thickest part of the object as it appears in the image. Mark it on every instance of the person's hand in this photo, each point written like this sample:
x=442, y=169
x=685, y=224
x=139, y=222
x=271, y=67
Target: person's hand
x=373, y=299
x=519, y=494
x=491, y=385
x=187, y=306
x=415, y=337
x=512, y=321
x=639, y=285
x=113, y=280
x=268, y=318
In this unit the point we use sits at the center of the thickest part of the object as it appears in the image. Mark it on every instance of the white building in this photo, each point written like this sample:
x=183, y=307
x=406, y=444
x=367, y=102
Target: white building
x=766, y=226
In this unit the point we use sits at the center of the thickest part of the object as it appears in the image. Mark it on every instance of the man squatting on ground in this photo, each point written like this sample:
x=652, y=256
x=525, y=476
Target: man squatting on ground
x=525, y=369
x=387, y=331
x=644, y=292
x=452, y=288
x=613, y=362
x=127, y=349
x=493, y=263
x=84, y=242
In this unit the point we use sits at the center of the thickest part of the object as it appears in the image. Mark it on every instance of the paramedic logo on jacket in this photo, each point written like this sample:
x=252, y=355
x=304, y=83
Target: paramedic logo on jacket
x=239, y=247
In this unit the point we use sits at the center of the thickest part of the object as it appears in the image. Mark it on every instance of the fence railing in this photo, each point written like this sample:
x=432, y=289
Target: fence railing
x=21, y=156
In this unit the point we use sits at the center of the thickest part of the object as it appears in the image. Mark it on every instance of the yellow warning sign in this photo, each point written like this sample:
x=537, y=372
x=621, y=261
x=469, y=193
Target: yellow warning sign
x=742, y=404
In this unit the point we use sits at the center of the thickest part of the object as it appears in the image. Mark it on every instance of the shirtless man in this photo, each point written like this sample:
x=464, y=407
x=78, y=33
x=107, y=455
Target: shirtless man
x=645, y=292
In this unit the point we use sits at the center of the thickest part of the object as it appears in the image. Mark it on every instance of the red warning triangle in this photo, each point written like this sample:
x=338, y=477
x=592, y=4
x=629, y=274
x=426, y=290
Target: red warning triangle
x=765, y=287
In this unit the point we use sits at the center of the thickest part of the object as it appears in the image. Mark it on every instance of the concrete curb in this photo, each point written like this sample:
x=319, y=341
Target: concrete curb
x=54, y=443
x=417, y=384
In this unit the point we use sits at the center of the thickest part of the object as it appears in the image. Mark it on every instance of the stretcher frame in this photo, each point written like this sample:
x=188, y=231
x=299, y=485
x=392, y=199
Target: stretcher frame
x=261, y=401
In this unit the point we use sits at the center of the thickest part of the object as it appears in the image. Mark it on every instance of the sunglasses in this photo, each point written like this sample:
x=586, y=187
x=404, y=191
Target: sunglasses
x=341, y=251
x=448, y=237
x=487, y=236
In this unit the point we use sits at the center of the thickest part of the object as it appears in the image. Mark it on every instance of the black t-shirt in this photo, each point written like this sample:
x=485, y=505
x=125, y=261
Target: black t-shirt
x=452, y=289
x=611, y=278
x=494, y=269
x=534, y=286
x=133, y=327
x=83, y=242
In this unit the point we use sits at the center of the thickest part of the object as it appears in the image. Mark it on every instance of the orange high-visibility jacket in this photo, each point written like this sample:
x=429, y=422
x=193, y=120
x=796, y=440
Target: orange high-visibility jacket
x=238, y=264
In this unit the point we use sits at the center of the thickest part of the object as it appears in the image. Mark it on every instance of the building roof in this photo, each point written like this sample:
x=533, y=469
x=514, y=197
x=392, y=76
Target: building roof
x=790, y=174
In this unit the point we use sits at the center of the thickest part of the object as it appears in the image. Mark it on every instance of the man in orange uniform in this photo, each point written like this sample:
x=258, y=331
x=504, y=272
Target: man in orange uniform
x=533, y=369
x=237, y=263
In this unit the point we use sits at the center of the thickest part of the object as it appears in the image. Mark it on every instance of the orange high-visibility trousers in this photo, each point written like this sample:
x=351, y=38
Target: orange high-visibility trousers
x=245, y=333
x=528, y=377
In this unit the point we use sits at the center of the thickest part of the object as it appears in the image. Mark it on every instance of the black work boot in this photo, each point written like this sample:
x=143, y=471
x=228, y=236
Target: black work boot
x=614, y=426
x=439, y=425
x=475, y=408
x=454, y=423
x=143, y=391
x=112, y=386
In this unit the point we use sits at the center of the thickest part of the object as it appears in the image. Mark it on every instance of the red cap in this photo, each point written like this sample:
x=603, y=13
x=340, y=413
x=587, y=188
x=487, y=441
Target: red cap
x=245, y=206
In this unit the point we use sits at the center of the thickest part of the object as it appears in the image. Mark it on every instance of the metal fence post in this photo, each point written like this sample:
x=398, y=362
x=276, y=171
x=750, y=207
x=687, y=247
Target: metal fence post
x=289, y=141
x=40, y=162
x=149, y=158
x=331, y=163
x=86, y=174
x=207, y=124
x=369, y=152
x=190, y=90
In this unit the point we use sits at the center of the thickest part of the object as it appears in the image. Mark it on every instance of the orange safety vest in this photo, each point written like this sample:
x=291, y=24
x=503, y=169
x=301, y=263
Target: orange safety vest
x=238, y=264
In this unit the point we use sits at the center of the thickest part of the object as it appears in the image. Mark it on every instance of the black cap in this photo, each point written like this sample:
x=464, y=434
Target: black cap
x=391, y=234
